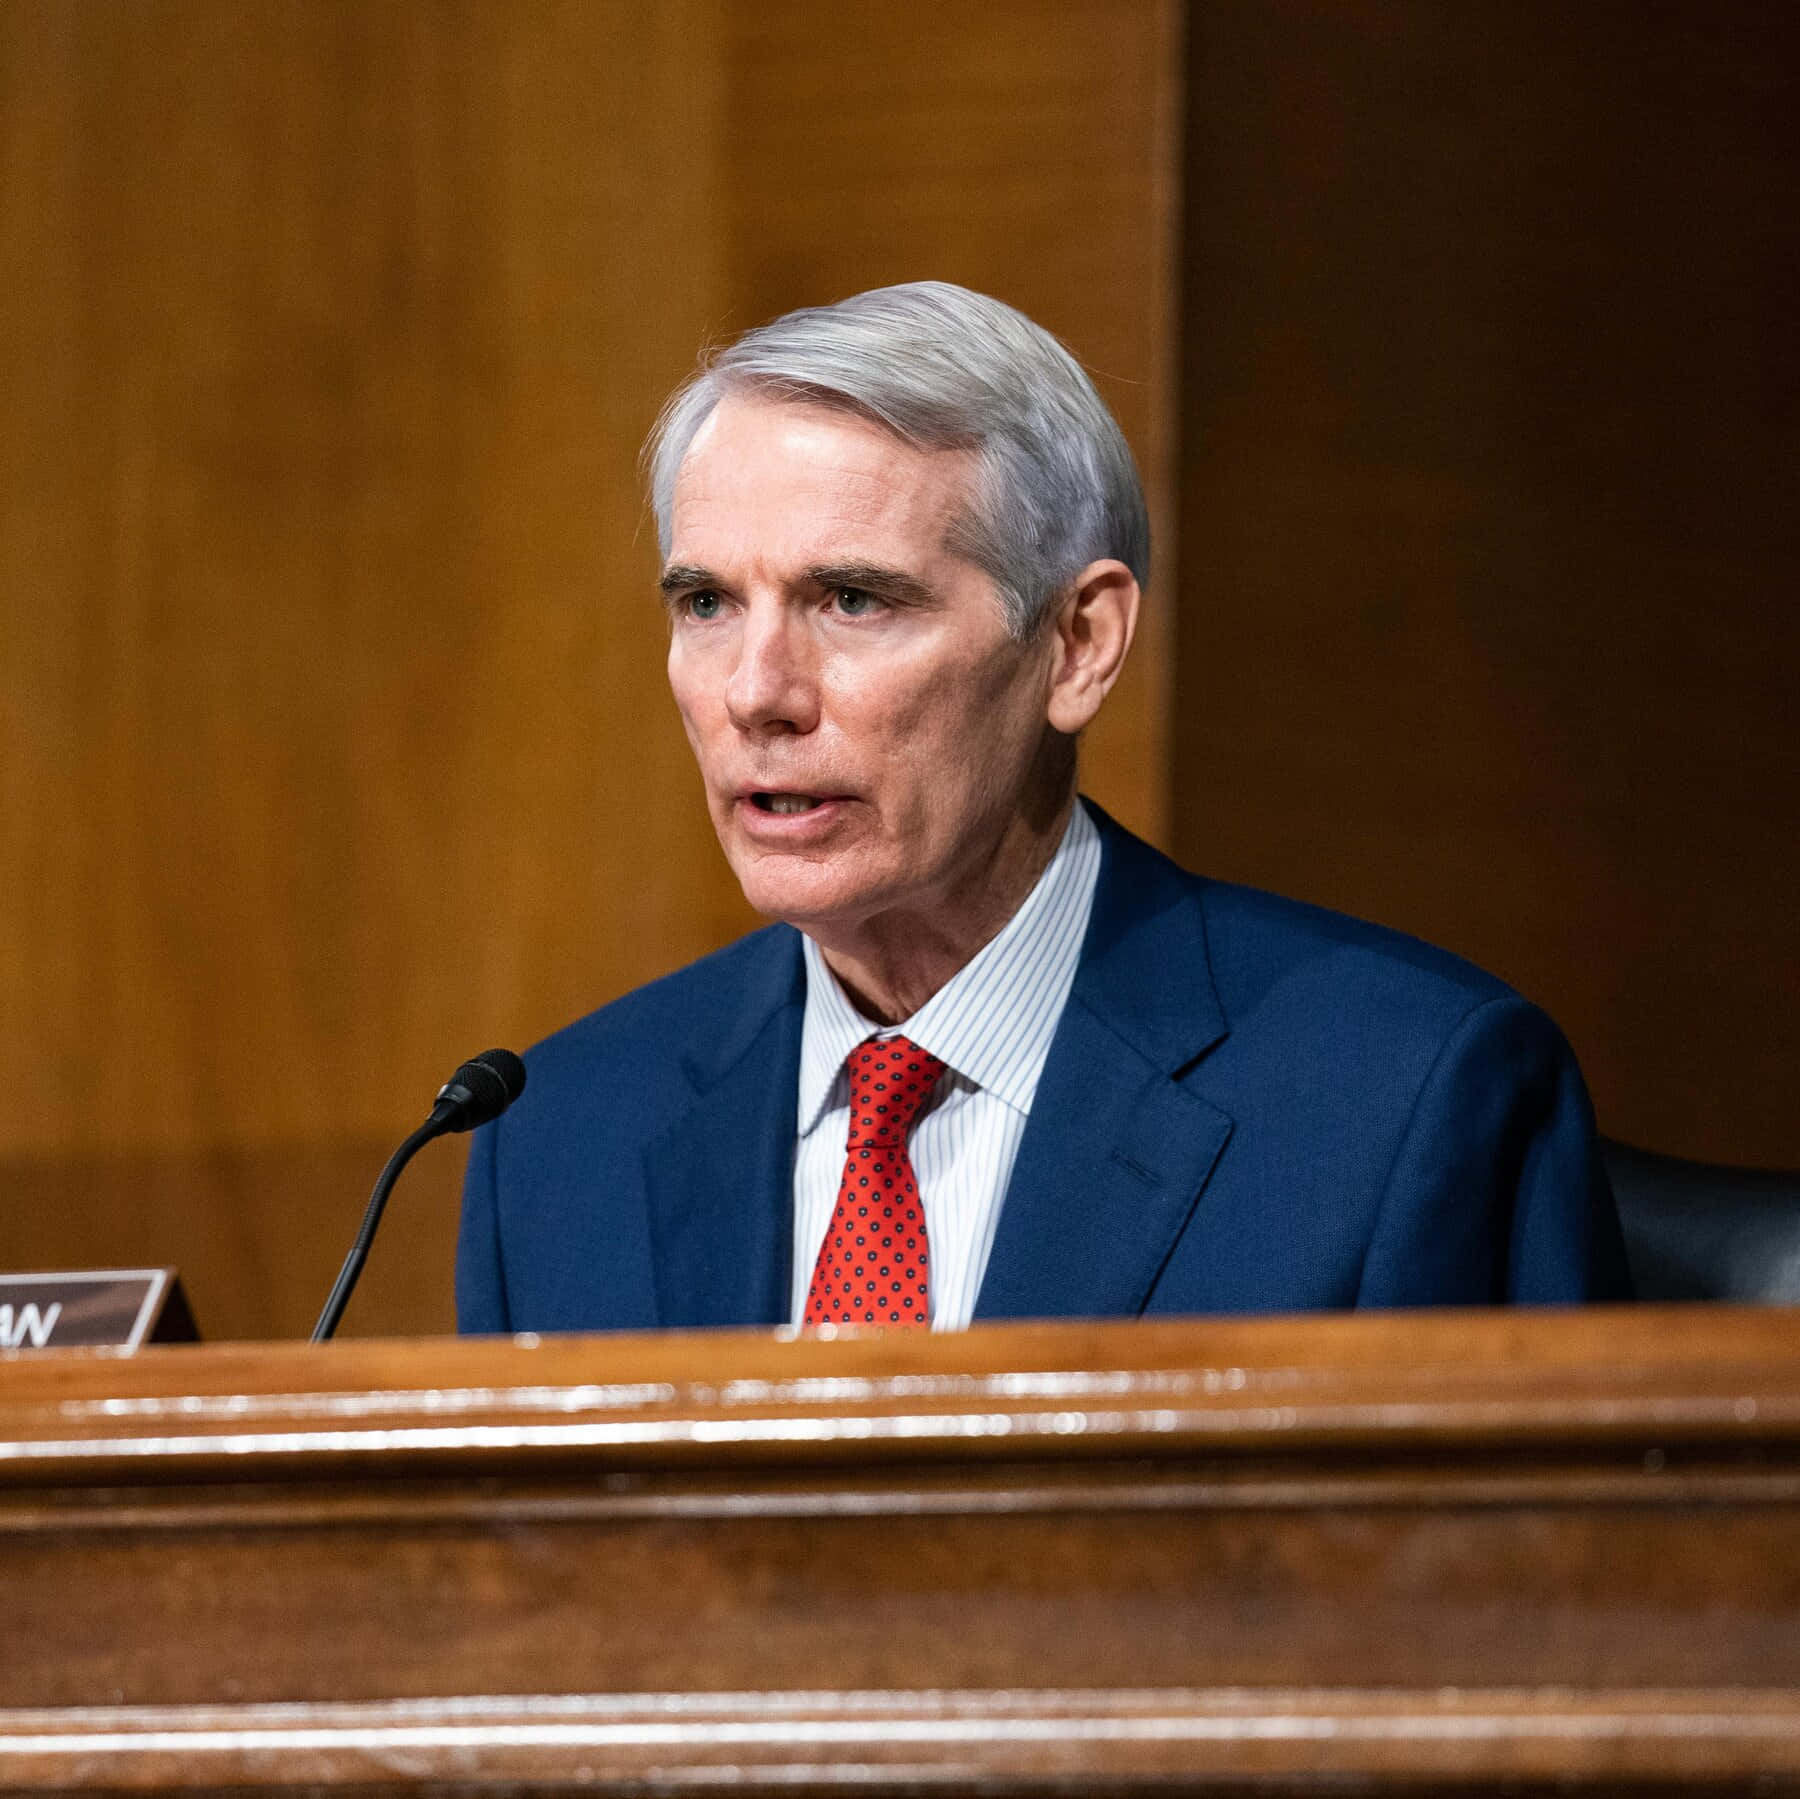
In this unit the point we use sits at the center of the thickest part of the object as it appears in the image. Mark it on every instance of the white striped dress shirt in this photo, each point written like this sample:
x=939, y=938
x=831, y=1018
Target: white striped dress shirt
x=990, y=1026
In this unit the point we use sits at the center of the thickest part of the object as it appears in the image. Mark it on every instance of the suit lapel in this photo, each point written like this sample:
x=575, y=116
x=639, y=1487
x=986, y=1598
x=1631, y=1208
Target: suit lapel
x=720, y=1179
x=1117, y=1151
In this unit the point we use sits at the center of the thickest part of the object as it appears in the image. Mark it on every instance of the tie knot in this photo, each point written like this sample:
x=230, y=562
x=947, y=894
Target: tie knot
x=890, y=1079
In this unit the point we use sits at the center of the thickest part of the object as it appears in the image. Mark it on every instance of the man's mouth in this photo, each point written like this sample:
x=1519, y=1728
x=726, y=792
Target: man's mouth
x=785, y=804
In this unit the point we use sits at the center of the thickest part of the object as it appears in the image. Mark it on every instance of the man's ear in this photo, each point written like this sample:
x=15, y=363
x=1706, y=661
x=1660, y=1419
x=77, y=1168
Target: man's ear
x=1093, y=628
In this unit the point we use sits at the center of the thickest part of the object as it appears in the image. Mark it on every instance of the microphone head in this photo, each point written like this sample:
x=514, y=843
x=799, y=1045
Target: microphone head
x=482, y=1088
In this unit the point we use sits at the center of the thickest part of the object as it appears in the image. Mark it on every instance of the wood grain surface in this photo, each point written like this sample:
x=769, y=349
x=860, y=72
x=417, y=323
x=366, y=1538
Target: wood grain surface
x=1456, y=1552
x=1491, y=401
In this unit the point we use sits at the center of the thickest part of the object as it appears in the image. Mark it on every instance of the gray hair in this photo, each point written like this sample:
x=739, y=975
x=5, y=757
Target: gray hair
x=943, y=368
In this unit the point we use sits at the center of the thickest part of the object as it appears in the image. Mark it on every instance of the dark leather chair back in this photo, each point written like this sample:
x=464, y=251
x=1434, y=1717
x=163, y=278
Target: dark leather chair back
x=1695, y=1231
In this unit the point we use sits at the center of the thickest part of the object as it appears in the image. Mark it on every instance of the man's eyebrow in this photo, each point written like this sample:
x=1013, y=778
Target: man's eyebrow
x=890, y=583
x=680, y=577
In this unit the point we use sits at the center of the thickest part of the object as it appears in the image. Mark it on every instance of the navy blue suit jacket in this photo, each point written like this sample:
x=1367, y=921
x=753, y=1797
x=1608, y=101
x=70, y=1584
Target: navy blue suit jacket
x=1250, y=1105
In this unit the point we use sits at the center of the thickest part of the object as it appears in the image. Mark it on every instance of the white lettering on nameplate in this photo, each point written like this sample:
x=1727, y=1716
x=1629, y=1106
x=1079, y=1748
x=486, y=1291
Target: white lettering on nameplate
x=28, y=1322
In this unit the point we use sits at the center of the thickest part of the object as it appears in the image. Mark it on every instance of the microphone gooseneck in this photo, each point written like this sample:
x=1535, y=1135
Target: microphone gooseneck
x=479, y=1091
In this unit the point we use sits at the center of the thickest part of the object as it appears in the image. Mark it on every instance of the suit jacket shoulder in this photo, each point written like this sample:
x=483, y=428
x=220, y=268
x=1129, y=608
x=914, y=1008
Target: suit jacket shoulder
x=1254, y=1104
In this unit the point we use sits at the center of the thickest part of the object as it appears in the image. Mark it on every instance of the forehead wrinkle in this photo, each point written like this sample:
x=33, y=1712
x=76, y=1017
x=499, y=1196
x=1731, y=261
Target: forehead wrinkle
x=709, y=535
x=830, y=500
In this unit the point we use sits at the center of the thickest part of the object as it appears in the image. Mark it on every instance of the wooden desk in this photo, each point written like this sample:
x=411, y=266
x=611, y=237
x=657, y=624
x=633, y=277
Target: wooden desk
x=1435, y=1551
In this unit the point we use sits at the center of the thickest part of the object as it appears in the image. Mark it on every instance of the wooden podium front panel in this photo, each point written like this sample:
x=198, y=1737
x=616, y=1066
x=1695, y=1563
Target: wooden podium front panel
x=1450, y=1550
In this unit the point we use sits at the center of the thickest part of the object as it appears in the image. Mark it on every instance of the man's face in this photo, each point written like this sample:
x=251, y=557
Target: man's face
x=868, y=732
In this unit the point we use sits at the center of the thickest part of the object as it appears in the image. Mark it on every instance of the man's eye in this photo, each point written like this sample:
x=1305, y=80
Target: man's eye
x=855, y=602
x=704, y=604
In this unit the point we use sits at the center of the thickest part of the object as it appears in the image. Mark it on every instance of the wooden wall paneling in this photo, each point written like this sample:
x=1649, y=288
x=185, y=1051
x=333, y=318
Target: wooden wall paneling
x=1491, y=390
x=365, y=362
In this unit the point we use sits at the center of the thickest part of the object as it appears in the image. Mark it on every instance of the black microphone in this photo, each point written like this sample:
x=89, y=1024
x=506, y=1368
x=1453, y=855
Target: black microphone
x=480, y=1090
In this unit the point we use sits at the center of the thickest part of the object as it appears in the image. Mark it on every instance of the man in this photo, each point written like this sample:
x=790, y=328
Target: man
x=999, y=1058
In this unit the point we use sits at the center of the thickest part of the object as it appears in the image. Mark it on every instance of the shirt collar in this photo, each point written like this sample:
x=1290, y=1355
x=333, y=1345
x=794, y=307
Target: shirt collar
x=992, y=1022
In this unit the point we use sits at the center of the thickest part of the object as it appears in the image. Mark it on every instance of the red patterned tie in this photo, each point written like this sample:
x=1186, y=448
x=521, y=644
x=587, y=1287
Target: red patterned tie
x=874, y=1266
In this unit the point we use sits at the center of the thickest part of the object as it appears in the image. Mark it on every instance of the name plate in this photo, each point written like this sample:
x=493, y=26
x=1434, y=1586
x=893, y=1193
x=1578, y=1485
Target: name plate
x=97, y=1308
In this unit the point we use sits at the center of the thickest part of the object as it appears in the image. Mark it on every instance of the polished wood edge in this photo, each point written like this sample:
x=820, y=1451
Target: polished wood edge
x=1455, y=1339
x=1016, y=1494
x=1469, y=1337
x=892, y=1740
x=1651, y=1379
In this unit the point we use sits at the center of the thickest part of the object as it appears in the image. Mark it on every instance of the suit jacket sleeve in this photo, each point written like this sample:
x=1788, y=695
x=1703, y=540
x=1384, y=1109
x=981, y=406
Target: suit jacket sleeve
x=480, y=1288
x=1497, y=1191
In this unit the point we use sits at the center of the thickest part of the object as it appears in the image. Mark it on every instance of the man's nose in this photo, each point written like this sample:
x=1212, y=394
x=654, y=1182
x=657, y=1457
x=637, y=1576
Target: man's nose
x=773, y=684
